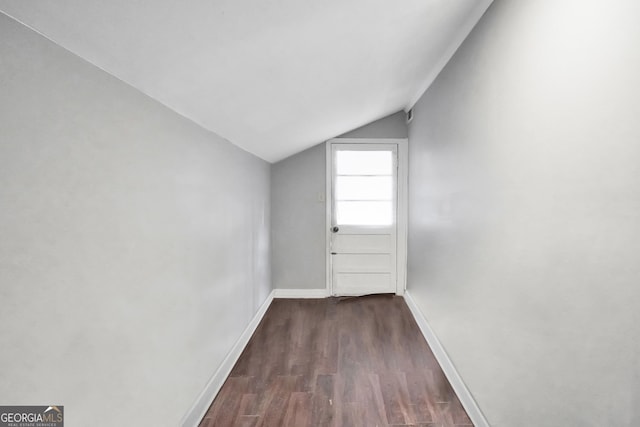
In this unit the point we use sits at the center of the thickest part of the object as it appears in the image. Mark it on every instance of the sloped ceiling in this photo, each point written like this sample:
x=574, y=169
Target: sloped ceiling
x=272, y=76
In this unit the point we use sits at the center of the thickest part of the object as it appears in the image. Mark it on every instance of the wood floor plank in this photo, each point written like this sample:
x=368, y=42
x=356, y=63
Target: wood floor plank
x=396, y=397
x=352, y=415
x=249, y=404
x=322, y=413
x=247, y=421
x=227, y=408
x=421, y=396
x=337, y=362
x=370, y=395
x=298, y=411
x=273, y=406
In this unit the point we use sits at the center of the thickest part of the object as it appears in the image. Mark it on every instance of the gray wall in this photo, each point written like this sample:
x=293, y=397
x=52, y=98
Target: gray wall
x=524, y=227
x=298, y=220
x=134, y=245
x=392, y=126
x=298, y=214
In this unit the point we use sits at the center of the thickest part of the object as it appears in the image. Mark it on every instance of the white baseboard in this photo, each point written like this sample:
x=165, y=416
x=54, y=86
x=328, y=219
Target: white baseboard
x=449, y=369
x=193, y=417
x=300, y=293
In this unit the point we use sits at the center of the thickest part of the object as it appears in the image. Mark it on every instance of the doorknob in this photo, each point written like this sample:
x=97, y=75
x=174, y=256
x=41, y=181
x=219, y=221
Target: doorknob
x=335, y=229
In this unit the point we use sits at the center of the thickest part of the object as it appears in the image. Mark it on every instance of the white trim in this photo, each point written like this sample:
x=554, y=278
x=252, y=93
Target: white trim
x=402, y=217
x=199, y=408
x=457, y=40
x=329, y=212
x=466, y=398
x=300, y=293
x=402, y=209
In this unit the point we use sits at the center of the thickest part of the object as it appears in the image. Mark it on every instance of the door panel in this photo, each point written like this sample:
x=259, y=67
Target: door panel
x=361, y=243
x=362, y=263
x=362, y=283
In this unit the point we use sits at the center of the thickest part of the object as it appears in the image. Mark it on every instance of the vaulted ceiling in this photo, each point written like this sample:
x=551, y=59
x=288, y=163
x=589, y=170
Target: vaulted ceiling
x=272, y=76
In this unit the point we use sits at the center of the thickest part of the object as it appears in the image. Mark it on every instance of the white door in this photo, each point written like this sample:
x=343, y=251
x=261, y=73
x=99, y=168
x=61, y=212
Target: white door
x=363, y=218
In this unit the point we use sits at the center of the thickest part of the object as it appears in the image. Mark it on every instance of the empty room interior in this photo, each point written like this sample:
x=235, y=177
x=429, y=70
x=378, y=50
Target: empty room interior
x=345, y=182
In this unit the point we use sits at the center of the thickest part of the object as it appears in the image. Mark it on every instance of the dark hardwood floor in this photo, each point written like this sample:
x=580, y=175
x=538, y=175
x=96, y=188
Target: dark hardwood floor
x=337, y=362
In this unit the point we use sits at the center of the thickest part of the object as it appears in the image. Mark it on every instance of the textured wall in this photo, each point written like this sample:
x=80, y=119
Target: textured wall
x=525, y=212
x=134, y=245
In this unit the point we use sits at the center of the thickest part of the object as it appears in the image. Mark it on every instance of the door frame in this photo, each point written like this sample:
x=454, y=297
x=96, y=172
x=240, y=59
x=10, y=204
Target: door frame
x=401, y=209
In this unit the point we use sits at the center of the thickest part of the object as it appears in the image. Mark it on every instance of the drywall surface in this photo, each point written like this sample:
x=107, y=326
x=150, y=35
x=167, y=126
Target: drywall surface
x=134, y=245
x=393, y=126
x=298, y=220
x=298, y=187
x=524, y=228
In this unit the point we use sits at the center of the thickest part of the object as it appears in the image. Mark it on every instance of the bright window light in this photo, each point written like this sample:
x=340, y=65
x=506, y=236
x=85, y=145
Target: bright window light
x=364, y=163
x=363, y=188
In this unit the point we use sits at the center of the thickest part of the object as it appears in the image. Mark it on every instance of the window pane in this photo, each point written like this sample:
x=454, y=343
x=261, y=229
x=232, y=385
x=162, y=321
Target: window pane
x=364, y=162
x=364, y=188
x=364, y=213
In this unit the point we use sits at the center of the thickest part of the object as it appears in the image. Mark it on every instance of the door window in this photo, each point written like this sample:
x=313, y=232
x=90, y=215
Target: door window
x=364, y=188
